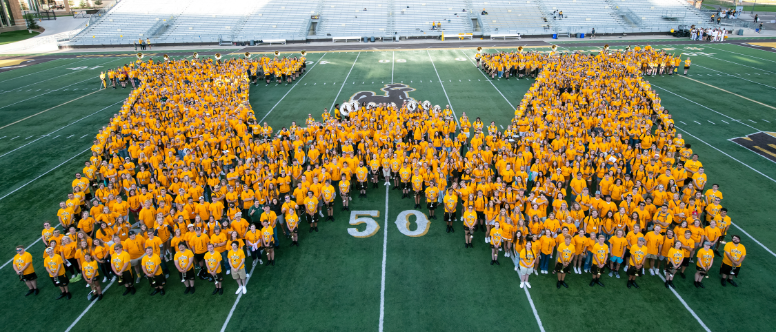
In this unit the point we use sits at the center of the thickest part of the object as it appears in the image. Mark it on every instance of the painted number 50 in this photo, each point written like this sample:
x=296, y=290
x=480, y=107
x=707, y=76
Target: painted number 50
x=403, y=223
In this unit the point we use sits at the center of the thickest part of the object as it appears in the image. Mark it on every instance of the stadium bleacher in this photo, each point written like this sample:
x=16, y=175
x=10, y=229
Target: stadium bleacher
x=197, y=21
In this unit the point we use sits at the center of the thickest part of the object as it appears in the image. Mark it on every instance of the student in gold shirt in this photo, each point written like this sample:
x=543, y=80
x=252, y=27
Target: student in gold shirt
x=638, y=255
x=674, y=259
x=151, y=265
x=566, y=253
x=90, y=270
x=213, y=262
x=22, y=265
x=184, y=262
x=705, y=260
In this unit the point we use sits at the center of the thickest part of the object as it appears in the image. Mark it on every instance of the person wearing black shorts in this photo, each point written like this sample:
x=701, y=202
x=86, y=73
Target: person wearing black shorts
x=733, y=255
x=213, y=264
x=151, y=265
x=184, y=264
x=22, y=265
x=566, y=255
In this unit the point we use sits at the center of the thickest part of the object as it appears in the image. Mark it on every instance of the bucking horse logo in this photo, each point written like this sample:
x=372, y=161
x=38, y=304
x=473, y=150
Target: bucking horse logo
x=394, y=93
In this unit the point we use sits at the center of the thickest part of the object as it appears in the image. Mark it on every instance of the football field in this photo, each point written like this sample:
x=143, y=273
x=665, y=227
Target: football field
x=408, y=274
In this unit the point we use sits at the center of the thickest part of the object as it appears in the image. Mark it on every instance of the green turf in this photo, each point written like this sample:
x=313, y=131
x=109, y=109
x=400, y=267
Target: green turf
x=333, y=281
x=15, y=36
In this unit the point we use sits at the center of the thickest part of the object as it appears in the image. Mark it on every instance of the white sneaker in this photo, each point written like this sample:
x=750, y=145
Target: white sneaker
x=527, y=284
x=228, y=272
x=387, y=184
x=113, y=278
x=500, y=249
x=487, y=240
x=536, y=272
x=244, y=290
x=321, y=213
x=617, y=275
x=261, y=261
x=104, y=279
x=611, y=274
x=167, y=276
x=522, y=284
x=652, y=272
x=247, y=275
x=506, y=254
x=516, y=270
x=87, y=285
x=239, y=290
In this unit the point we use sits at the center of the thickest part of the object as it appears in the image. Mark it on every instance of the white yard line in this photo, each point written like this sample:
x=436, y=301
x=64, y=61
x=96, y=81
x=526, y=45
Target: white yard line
x=344, y=82
x=69, y=328
x=491, y=82
x=385, y=249
x=292, y=87
x=237, y=300
x=48, y=109
x=393, y=63
x=533, y=308
x=746, y=55
x=26, y=248
x=38, y=72
x=736, y=63
x=741, y=78
x=443, y=88
x=42, y=94
x=755, y=240
x=40, y=176
x=723, y=114
x=686, y=306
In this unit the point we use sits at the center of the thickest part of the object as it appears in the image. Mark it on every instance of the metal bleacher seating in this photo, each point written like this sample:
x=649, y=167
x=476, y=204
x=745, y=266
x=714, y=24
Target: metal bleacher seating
x=343, y=18
x=510, y=16
x=275, y=19
x=129, y=21
x=581, y=15
x=203, y=22
x=661, y=12
x=414, y=18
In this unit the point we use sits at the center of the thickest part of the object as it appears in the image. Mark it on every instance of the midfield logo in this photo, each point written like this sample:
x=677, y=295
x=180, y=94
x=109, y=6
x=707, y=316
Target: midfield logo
x=394, y=93
x=763, y=143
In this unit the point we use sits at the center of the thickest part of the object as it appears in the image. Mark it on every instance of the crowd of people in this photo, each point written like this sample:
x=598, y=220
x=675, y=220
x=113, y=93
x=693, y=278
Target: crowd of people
x=708, y=34
x=590, y=175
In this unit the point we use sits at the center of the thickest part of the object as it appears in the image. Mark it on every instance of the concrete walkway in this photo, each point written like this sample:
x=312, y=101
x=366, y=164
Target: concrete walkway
x=61, y=24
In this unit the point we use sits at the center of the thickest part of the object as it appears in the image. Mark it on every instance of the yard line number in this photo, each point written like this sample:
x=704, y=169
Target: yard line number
x=403, y=223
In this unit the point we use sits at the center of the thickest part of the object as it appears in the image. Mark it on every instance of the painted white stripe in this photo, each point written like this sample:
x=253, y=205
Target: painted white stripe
x=236, y=301
x=731, y=157
x=393, y=63
x=443, y=89
x=69, y=328
x=686, y=306
x=491, y=82
x=755, y=240
x=725, y=115
x=84, y=135
x=33, y=141
x=27, y=248
x=42, y=94
x=697, y=122
x=746, y=55
x=385, y=250
x=45, y=70
x=724, y=121
x=740, y=78
x=533, y=308
x=765, y=120
x=736, y=63
x=289, y=90
x=711, y=122
x=345, y=81
x=40, y=176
